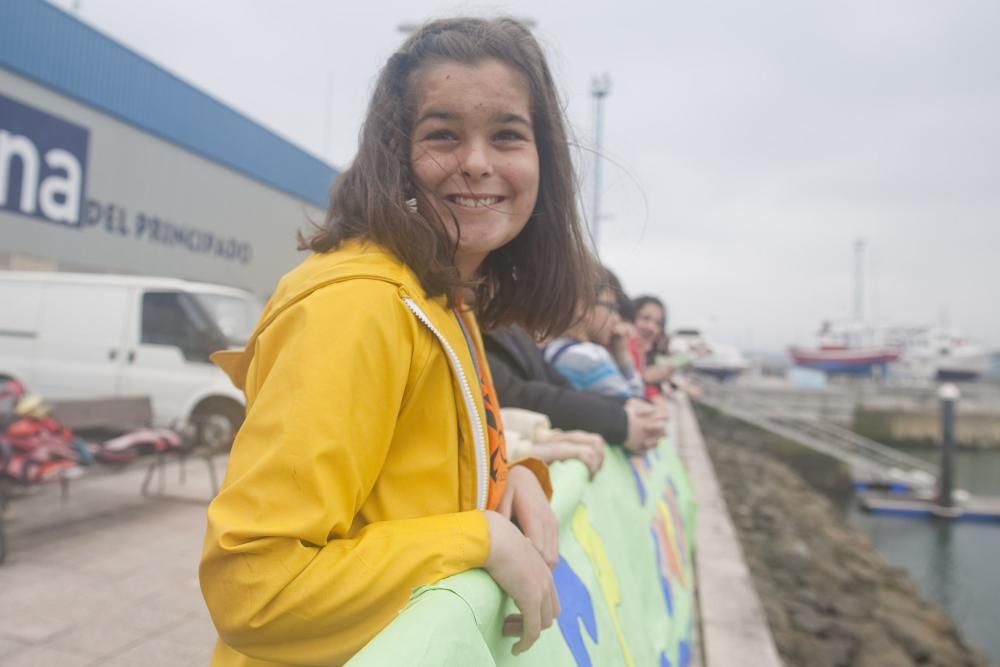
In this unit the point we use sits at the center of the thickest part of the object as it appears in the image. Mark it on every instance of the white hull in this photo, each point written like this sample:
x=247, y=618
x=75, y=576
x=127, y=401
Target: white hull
x=970, y=365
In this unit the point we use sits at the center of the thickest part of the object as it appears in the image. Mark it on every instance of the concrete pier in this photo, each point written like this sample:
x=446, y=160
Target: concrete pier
x=972, y=509
x=946, y=502
x=887, y=413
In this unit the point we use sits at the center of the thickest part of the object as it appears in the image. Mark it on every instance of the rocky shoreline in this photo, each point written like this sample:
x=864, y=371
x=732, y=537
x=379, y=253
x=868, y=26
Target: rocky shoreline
x=830, y=598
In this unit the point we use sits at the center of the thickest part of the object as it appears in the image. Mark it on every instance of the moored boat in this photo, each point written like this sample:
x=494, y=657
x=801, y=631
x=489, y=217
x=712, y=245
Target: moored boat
x=942, y=354
x=845, y=360
x=716, y=360
x=846, y=349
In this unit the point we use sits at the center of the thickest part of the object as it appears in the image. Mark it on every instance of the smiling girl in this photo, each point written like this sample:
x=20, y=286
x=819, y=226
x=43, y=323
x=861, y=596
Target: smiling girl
x=650, y=341
x=372, y=458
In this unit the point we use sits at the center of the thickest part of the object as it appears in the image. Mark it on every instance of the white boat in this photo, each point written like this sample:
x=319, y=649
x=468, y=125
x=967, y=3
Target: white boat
x=718, y=360
x=938, y=353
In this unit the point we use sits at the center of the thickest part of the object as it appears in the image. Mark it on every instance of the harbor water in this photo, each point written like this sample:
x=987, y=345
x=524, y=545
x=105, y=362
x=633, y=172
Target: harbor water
x=954, y=562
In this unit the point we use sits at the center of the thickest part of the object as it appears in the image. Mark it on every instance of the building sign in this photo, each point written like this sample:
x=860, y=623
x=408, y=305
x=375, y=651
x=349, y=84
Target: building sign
x=43, y=167
x=117, y=220
x=43, y=161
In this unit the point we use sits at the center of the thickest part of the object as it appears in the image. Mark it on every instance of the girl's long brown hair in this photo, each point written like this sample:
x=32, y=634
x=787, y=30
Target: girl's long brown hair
x=538, y=278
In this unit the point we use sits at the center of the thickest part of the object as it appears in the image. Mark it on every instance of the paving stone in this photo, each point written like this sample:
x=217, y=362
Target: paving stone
x=145, y=620
x=45, y=656
x=197, y=630
x=33, y=628
x=110, y=580
x=158, y=652
x=9, y=647
x=98, y=639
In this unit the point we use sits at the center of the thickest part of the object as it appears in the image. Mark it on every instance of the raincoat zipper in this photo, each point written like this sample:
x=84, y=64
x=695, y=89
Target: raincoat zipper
x=478, y=434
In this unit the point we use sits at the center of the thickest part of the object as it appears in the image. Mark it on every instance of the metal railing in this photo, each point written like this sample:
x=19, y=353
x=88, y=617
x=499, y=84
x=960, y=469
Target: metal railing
x=869, y=461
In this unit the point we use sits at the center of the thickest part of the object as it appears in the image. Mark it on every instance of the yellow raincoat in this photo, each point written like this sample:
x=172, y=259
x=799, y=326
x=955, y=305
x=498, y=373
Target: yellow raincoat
x=360, y=471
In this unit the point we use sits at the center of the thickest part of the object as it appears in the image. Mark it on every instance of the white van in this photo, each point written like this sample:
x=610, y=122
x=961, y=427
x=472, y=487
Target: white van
x=80, y=335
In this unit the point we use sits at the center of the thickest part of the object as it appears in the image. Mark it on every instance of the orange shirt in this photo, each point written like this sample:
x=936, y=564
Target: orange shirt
x=494, y=423
x=494, y=433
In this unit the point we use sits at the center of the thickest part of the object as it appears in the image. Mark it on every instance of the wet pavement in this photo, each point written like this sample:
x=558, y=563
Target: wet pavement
x=108, y=576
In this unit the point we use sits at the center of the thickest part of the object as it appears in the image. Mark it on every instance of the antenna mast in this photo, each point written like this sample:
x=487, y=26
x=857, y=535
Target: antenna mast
x=859, y=290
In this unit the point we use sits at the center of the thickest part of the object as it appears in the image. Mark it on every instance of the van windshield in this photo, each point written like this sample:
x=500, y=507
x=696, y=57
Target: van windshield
x=234, y=316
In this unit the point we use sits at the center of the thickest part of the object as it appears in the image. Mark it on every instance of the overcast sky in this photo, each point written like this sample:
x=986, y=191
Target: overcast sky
x=748, y=144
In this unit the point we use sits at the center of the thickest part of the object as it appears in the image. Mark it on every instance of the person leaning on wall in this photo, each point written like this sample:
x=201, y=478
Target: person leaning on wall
x=523, y=379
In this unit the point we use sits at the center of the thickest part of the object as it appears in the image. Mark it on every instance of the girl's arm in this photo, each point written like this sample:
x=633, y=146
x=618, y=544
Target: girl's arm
x=590, y=367
x=282, y=582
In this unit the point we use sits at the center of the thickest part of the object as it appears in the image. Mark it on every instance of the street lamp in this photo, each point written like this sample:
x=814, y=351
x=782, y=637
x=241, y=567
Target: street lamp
x=600, y=86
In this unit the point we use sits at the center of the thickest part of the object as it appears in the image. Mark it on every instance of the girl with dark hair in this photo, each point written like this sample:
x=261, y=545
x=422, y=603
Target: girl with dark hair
x=650, y=340
x=593, y=354
x=372, y=458
x=649, y=317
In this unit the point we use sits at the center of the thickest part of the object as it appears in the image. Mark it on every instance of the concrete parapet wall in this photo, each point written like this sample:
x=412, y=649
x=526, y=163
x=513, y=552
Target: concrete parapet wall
x=733, y=627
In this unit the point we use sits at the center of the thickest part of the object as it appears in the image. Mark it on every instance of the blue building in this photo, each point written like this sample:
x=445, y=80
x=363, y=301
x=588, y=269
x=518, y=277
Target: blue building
x=110, y=163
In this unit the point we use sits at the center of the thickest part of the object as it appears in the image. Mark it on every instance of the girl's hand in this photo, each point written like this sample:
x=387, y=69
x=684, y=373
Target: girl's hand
x=592, y=457
x=580, y=437
x=561, y=450
x=525, y=503
x=618, y=345
x=592, y=448
x=646, y=425
x=658, y=373
x=516, y=566
x=662, y=407
x=625, y=329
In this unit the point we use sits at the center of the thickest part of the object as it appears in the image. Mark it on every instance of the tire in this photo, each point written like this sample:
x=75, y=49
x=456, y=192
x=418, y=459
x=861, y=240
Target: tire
x=216, y=421
x=9, y=397
x=3, y=520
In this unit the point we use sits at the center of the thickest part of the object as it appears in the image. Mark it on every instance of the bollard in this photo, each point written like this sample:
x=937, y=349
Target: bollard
x=949, y=395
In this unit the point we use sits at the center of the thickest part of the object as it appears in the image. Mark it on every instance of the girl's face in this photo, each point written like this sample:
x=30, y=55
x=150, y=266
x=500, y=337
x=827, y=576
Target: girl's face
x=473, y=154
x=649, y=323
x=603, y=318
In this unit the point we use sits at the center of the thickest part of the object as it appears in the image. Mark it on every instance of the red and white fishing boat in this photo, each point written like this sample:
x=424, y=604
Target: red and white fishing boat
x=848, y=349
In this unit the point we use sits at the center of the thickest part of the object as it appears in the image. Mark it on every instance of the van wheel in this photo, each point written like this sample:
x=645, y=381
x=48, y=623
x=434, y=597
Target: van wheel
x=216, y=421
x=15, y=383
x=11, y=391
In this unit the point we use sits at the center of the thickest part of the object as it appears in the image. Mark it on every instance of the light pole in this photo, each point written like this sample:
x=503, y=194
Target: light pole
x=600, y=86
x=859, y=275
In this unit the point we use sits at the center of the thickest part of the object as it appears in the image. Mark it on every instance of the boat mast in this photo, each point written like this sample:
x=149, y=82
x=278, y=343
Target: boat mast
x=859, y=302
